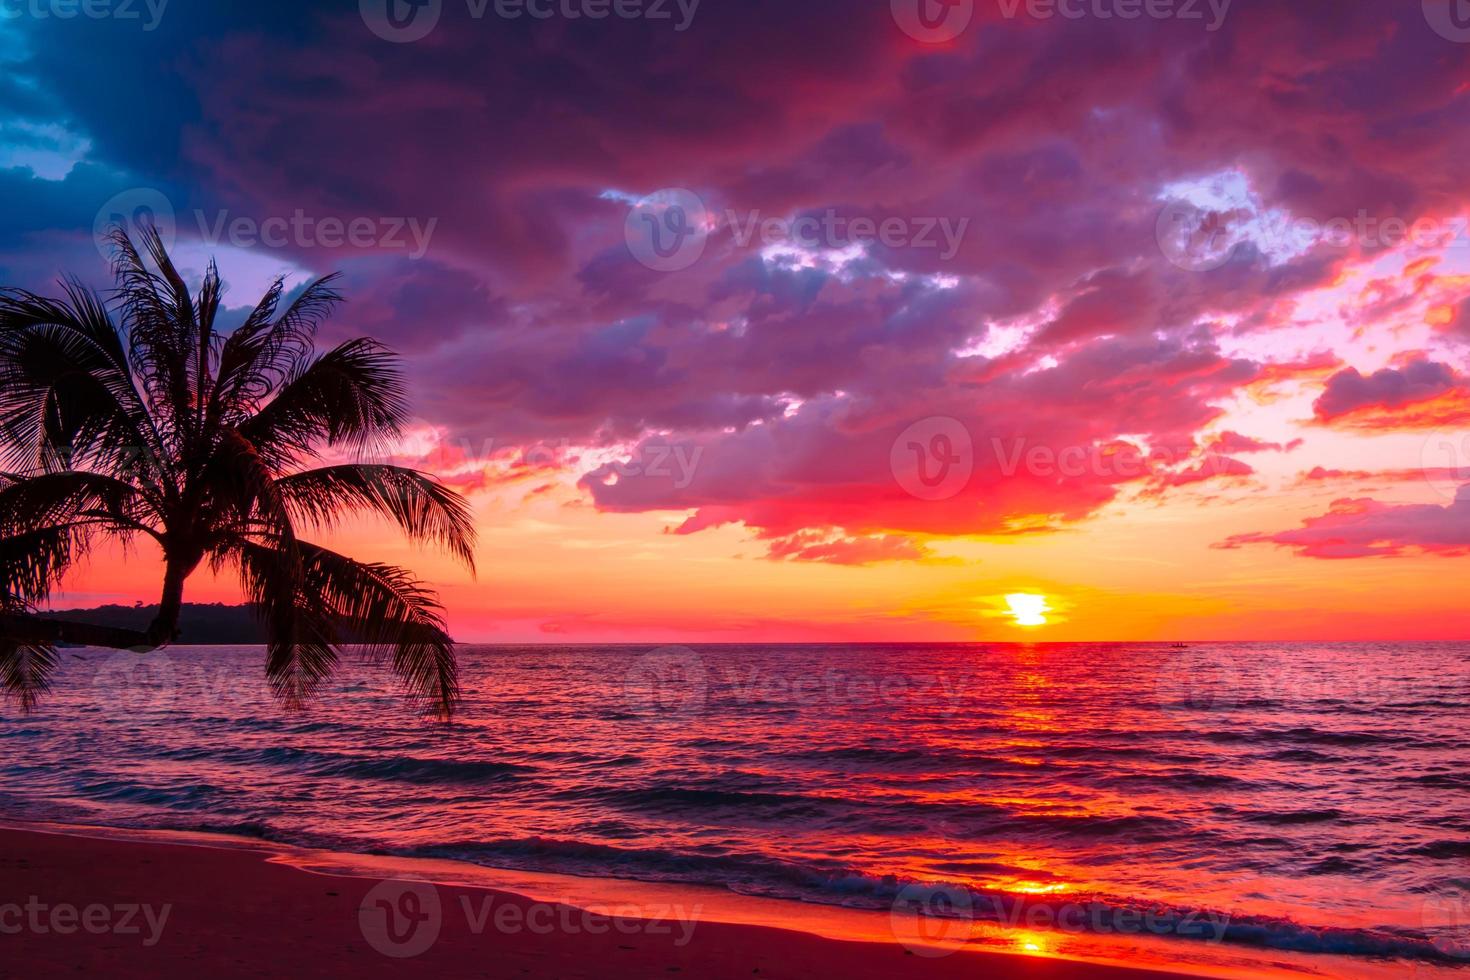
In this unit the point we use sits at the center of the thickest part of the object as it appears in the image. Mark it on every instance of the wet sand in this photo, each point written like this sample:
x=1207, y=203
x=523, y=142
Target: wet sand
x=84, y=905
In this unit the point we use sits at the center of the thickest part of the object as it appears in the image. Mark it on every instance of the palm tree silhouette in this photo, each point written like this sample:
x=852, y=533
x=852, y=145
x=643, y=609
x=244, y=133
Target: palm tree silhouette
x=158, y=425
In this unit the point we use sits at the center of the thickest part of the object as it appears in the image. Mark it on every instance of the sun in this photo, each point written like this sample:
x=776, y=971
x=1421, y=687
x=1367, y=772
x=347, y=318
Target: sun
x=1028, y=609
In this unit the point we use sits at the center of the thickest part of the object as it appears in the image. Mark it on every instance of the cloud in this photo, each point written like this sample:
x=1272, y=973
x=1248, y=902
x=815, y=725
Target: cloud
x=820, y=546
x=793, y=370
x=1366, y=528
x=1212, y=467
x=1230, y=442
x=1042, y=448
x=1419, y=394
x=1437, y=475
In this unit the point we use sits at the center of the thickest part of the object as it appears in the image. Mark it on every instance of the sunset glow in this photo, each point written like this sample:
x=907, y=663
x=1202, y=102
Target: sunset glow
x=1210, y=387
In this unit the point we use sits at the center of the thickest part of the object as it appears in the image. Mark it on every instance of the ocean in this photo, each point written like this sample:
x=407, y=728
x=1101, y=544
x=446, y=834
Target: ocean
x=1303, y=797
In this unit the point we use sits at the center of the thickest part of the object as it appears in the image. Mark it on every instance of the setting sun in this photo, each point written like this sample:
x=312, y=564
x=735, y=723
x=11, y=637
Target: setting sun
x=1027, y=609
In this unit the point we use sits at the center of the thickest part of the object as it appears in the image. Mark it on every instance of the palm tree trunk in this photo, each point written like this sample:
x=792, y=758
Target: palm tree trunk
x=163, y=630
x=165, y=626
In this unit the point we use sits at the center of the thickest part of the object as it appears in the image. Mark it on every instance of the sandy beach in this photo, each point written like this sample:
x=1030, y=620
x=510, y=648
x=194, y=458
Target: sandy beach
x=81, y=905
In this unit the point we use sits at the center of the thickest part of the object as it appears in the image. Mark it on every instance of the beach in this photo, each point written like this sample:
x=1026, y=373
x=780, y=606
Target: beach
x=173, y=909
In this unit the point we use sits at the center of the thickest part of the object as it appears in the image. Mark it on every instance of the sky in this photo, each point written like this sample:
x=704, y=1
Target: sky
x=834, y=320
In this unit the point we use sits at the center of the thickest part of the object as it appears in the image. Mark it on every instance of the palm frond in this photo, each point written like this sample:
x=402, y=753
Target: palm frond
x=185, y=316
x=394, y=617
x=352, y=395
x=84, y=315
x=59, y=498
x=66, y=389
x=25, y=670
x=240, y=486
x=264, y=351
x=425, y=509
x=158, y=315
x=380, y=607
x=33, y=561
x=301, y=639
x=210, y=294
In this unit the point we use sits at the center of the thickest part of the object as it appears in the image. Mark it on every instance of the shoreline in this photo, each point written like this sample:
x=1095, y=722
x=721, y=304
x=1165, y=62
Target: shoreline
x=334, y=908
x=159, y=905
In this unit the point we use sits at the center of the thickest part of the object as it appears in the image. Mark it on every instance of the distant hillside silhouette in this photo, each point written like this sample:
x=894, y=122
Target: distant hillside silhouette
x=199, y=623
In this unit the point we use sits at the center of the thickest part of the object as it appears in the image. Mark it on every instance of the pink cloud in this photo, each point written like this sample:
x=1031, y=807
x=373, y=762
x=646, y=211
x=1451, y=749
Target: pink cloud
x=818, y=546
x=1229, y=442
x=1438, y=475
x=1042, y=449
x=1212, y=467
x=1419, y=394
x=530, y=321
x=1367, y=528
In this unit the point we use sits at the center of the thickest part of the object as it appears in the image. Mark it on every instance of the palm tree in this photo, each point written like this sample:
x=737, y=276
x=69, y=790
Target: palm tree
x=157, y=425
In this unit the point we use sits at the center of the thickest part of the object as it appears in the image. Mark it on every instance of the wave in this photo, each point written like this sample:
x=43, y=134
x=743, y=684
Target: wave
x=872, y=757
x=245, y=828
x=676, y=797
x=1306, y=736
x=832, y=883
x=174, y=795
x=1183, y=779
x=1440, y=780
x=393, y=768
x=1287, y=818
x=877, y=815
x=1299, y=755
x=1443, y=850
